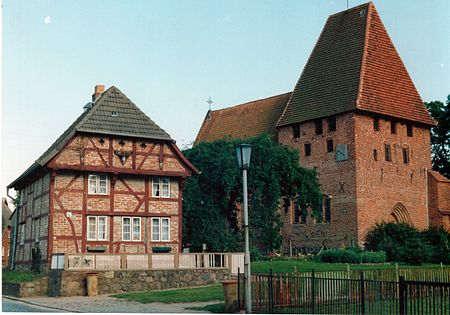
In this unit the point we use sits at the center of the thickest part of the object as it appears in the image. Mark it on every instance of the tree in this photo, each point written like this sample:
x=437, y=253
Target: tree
x=440, y=136
x=213, y=198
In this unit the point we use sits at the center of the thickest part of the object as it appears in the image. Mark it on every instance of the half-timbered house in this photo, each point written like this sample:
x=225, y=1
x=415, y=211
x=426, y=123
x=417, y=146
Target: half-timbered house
x=111, y=183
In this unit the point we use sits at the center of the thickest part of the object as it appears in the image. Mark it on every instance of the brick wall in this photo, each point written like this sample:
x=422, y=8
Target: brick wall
x=364, y=189
x=337, y=180
x=439, y=200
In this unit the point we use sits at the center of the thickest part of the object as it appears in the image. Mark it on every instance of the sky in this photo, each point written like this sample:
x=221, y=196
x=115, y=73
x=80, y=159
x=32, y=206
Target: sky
x=169, y=57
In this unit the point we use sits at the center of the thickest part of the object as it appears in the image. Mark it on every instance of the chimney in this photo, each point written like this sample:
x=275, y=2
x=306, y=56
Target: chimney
x=99, y=89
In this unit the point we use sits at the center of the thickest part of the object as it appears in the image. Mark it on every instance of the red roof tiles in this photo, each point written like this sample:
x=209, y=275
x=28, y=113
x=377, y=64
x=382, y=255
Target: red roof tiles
x=354, y=65
x=243, y=121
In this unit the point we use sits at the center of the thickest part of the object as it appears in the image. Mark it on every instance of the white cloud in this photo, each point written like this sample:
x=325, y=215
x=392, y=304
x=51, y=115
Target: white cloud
x=48, y=20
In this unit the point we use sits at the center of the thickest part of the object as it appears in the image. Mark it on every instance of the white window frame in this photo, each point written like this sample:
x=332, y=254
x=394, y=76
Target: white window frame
x=160, y=182
x=97, y=229
x=132, y=225
x=94, y=181
x=160, y=229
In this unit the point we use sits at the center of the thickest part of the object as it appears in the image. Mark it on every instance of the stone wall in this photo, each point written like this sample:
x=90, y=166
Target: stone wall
x=34, y=288
x=74, y=282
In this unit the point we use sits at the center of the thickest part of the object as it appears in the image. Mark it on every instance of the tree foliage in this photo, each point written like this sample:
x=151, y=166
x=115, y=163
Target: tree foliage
x=213, y=198
x=440, y=136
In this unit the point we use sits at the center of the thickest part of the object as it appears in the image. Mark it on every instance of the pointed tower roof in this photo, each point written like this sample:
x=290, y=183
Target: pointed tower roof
x=354, y=66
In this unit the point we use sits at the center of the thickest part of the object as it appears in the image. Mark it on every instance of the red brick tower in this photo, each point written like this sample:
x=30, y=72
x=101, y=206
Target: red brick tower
x=357, y=118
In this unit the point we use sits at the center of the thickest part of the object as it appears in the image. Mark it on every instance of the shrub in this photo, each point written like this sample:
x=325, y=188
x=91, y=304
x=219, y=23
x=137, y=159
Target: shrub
x=439, y=240
x=401, y=242
x=352, y=256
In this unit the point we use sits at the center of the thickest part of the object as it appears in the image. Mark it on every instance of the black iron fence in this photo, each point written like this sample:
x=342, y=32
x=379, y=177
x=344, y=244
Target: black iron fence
x=300, y=294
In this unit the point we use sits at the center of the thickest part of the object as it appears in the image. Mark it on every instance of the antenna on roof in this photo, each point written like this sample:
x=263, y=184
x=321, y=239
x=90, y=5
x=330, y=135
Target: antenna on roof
x=209, y=101
x=347, y=4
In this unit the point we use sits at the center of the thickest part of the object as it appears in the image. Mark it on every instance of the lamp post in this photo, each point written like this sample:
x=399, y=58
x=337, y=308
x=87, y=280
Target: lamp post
x=243, y=153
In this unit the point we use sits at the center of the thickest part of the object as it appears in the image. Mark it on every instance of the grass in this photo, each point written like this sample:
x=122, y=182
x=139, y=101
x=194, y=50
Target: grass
x=291, y=265
x=201, y=294
x=19, y=276
x=212, y=308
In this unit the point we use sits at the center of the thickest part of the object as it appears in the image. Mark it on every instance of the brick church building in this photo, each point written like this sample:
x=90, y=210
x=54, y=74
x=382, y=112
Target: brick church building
x=356, y=117
x=111, y=183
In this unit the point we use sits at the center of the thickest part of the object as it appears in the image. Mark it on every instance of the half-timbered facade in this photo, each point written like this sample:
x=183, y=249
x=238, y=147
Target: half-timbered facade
x=111, y=183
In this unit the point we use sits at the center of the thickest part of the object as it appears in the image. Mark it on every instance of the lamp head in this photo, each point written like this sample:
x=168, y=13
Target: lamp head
x=243, y=154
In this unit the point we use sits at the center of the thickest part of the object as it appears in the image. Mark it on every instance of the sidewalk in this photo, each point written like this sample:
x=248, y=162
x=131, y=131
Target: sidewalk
x=106, y=304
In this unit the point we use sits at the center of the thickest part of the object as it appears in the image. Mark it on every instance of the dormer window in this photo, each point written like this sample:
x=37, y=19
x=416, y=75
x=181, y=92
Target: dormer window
x=98, y=184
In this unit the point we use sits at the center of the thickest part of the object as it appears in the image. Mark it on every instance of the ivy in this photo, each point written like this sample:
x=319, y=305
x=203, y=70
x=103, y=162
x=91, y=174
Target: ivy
x=213, y=198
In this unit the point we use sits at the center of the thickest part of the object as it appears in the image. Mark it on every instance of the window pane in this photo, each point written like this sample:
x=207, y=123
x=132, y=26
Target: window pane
x=103, y=184
x=126, y=229
x=155, y=229
x=136, y=229
x=165, y=229
x=92, y=225
x=166, y=187
x=102, y=228
x=92, y=184
x=155, y=187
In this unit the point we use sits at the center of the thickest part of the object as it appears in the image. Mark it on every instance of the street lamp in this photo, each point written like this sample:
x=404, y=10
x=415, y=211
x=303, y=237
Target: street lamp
x=243, y=153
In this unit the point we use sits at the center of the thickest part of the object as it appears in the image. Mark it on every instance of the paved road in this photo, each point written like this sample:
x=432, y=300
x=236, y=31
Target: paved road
x=17, y=306
x=97, y=304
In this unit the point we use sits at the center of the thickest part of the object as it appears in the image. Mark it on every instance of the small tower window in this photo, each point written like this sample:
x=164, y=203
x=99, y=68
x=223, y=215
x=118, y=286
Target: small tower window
x=406, y=155
x=307, y=149
x=393, y=127
x=375, y=155
x=330, y=145
x=296, y=131
x=318, y=126
x=332, y=123
x=409, y=130
x=376, y=124
x=387, y=152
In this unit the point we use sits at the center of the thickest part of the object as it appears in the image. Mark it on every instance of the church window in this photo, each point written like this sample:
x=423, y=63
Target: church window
x=376, y=124
x=332, y=123
x=406, y=155
x=387, y=152
x=330, y=145
x=296, y=131
x=307, y=149
x=318, y=126
x=393, y=127
x=409, y=130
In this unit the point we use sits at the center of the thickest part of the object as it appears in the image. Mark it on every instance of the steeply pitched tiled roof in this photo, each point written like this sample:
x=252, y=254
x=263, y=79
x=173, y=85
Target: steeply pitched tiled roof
x=354, y=65
x=127, y=120
x=243, y=121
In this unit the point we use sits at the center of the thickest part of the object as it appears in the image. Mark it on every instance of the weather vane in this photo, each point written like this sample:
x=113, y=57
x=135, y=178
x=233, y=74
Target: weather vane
x=209, y=101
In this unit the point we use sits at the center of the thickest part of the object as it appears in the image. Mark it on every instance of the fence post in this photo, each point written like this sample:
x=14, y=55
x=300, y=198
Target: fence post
x=270, y=291
x=239, y=289
x=362, y=294
x=397, y=275
x=402, y=294
x=313, y=291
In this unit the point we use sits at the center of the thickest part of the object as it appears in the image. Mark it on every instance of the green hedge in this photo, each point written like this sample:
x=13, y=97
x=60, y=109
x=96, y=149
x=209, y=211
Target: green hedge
x=352, y=256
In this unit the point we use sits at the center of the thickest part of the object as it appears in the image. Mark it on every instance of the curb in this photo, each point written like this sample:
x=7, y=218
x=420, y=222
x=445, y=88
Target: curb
x=35, y=304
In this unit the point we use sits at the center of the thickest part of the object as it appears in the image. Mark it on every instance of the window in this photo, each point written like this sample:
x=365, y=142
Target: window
x=328, y=209
x=296, y=131
x=409, y=130
x=299, y=214
x=98, y=184
x=376, y=124
x=332, y=123
x=330, y=146
x=97, y=228
x=406, y=155
x=307, y=149
x=375, y=155
x=318, y=126
x=160, y=229
x=387, y=152
x=22, y=234
x=161, y=187
x=393, y=127
x=131, y=229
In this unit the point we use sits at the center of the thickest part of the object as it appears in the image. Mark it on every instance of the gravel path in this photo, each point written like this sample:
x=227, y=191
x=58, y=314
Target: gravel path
x=106, y=304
